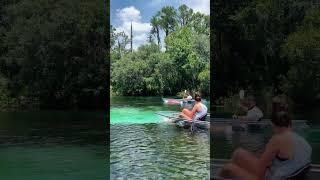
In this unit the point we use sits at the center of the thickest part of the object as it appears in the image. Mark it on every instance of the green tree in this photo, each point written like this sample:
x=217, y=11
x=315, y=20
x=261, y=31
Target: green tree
x=248, y=39
x=184, y=15
x=135, y=68
x=168, y=19
x=184, y=64
x=122, y=42
x=155, y=30
x=190, y=53
x=55, y=53
x=200, y=23
x=204, y=79
x=301, y=49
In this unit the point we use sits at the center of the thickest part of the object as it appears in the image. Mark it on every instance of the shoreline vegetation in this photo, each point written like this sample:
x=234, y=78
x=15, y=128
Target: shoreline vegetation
x=53, y=55
x=164, y=66
x=259, y=49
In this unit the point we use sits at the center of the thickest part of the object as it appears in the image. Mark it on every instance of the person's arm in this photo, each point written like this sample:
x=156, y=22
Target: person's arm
x=252, y=116
x=243, y=118
x=194, y=109
x=269, y=154
x=244, y=108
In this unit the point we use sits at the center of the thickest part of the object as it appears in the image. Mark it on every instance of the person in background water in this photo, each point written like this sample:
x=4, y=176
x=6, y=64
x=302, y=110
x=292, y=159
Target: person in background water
x=187, y=97
x=198, y=111
x=285, y=154
x=253, y=112
x=186, y=102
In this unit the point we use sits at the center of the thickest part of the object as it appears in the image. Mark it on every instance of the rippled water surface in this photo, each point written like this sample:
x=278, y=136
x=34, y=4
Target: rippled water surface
x=143, y=145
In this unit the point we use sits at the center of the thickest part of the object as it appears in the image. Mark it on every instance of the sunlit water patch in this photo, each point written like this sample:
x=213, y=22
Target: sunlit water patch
x=133, y=115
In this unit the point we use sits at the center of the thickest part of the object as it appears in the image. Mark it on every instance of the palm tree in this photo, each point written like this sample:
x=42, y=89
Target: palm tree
x=155, y=30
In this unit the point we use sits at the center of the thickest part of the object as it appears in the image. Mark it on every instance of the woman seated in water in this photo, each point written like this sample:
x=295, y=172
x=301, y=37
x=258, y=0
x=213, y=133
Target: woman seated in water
x=285, y=153
x=199, y=110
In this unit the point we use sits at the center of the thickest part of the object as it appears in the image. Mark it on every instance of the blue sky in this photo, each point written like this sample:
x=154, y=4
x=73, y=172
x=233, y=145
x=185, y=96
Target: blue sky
x=139, y=12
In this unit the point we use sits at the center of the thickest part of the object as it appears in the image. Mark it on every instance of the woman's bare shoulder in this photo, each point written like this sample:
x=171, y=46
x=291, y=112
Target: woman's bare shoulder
x=279, y=139
x=198, y=105
x=276, y=139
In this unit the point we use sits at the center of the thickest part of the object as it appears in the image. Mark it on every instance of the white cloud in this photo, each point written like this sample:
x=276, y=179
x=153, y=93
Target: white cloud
x=140, y=29
x=129, y=14
x=202, y=6
x=141, y=37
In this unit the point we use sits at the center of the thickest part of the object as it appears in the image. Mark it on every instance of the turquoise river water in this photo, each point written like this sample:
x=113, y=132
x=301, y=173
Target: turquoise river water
x=143, y=145
x=53, y=145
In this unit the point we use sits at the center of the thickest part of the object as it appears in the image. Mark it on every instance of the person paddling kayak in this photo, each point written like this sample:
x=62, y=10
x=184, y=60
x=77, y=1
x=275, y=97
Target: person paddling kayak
x=188, y=97
x=285, y=154
x=198, y=111
x=253, y=112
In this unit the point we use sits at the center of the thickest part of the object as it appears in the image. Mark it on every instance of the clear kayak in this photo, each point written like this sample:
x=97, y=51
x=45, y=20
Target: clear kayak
x=172, y=117
x=223, y=124
x=170, y=101
x=184, y=103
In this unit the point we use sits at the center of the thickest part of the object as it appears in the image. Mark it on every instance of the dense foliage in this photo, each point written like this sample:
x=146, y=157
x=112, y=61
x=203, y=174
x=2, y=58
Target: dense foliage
x=261, y=45
x=185, y=63
x=54, y=52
